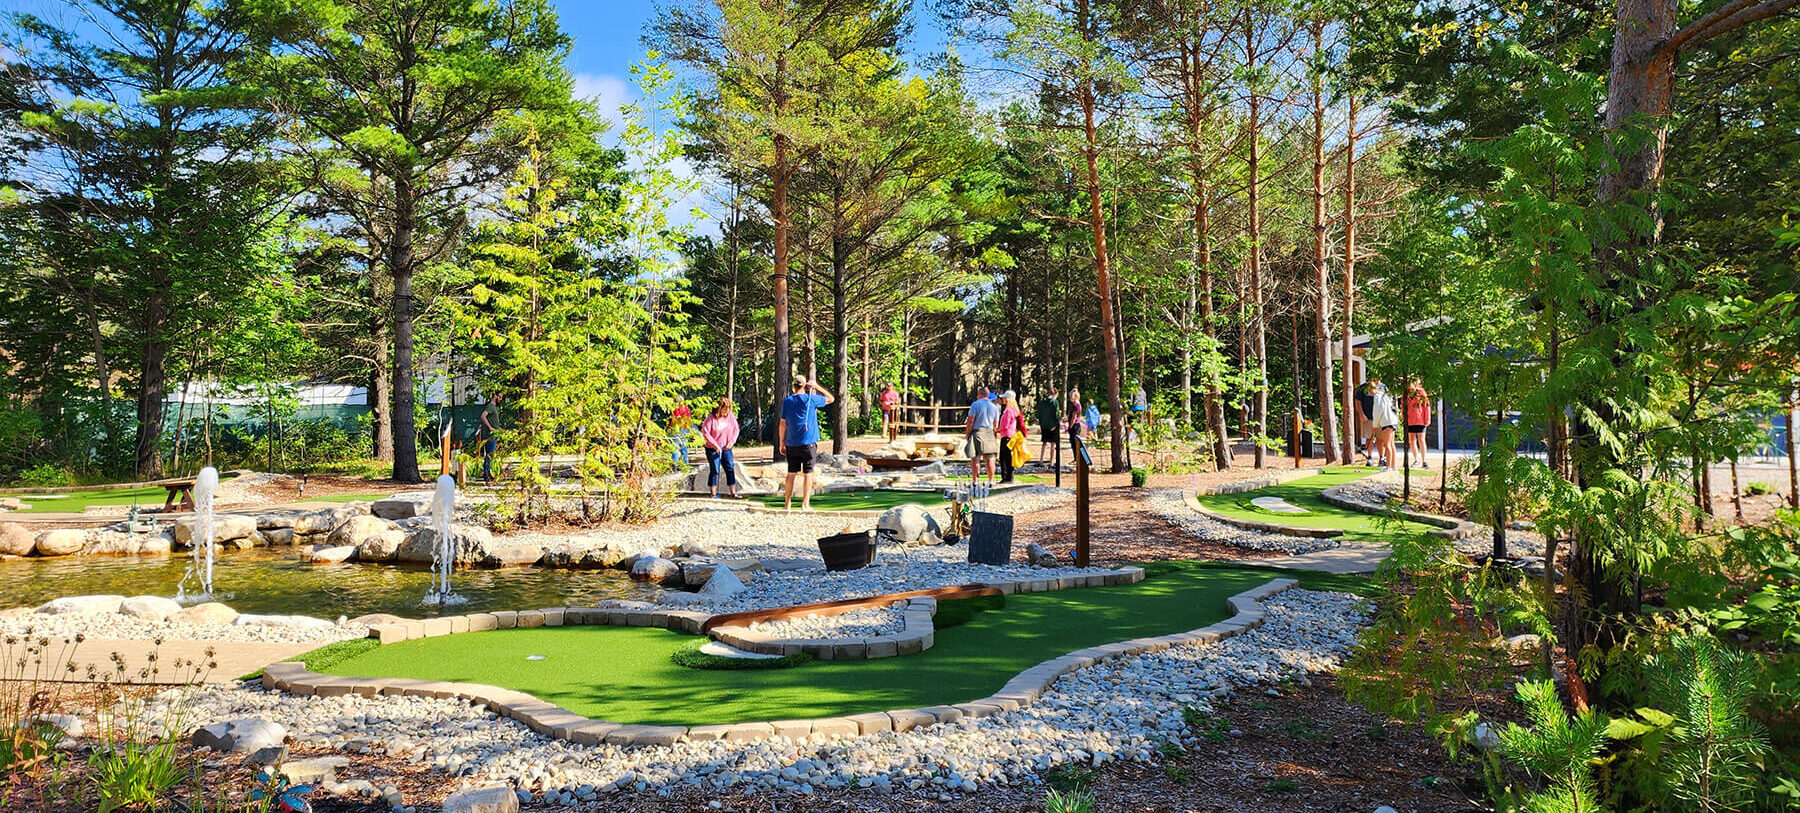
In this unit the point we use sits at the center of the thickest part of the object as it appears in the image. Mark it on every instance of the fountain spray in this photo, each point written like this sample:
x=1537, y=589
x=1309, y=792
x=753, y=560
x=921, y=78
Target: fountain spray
x=443, y=552
x=206, y=485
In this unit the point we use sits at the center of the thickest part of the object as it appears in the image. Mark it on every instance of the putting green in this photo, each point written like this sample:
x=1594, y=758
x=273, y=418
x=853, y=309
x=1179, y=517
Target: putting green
x=873, y=500
x=1304, y=493
x=624, y=674
x=73, y=502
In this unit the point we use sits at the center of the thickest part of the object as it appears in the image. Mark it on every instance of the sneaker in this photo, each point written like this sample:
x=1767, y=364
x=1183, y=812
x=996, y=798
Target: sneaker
x=1424, y=464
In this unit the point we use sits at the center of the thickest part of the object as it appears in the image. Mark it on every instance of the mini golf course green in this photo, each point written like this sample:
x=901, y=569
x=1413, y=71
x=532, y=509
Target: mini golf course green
x=1304, y=493
x=625, y=674
x=870, y=500
x=74, y=502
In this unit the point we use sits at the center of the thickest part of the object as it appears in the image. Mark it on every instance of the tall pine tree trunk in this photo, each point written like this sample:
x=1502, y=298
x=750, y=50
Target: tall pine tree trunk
x=1321, y=272
x=840, y=339
x=1102, y=271
x=1350, y=420
x=779, y=275
x=400, y=264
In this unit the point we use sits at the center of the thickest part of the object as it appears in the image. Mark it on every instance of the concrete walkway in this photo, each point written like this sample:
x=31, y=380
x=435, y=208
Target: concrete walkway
x=143, y=662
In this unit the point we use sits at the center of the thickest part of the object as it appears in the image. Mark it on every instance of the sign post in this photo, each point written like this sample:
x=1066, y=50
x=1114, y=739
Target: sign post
x=1081, y=499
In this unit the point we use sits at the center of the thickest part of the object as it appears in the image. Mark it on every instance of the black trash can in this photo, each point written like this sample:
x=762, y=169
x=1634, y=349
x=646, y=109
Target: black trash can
x=847, y=551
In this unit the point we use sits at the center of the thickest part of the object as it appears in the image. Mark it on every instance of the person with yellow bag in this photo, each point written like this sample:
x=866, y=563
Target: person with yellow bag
x=1011, y=431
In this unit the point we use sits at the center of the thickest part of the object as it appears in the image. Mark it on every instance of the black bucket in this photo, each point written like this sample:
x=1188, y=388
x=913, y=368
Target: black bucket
x=847, y=551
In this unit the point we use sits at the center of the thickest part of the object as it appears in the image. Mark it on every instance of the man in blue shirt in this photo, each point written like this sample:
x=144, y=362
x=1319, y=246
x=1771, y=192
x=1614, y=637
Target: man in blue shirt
x=800, y=435
x=984, y=445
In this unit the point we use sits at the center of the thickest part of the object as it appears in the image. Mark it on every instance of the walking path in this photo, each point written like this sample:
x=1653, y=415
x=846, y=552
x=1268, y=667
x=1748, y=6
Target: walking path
x=104, y=660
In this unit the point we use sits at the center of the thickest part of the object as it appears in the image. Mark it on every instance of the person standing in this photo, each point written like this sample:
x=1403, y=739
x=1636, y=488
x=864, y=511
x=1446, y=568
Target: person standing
x=1418, y=417
x=1012, y=424
x=1049, y=421
x=984, y=444
x=680, y=421
x=1386, y=419
x=1365, y=420
x=799, y=430
x=490, y=436
x=890, y=411
x=720, y=431
x=1075, y=418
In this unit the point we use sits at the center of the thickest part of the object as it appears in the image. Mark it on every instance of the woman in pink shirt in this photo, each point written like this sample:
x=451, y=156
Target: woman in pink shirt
x=720, y=429
x=1418, y=417
x=1012, y=422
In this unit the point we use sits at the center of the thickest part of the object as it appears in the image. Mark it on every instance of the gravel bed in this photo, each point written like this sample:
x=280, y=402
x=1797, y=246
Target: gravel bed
x=116, y=626
x=727, y=529
x=854, y=624
x=1169, y=504
x=915, y=568
x=1121, y=709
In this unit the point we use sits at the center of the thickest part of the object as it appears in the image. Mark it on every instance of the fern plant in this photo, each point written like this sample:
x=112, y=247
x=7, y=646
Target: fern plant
x=1559, y=747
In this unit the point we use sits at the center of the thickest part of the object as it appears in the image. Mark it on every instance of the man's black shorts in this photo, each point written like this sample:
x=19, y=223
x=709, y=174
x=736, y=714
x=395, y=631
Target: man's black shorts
x=800, y=458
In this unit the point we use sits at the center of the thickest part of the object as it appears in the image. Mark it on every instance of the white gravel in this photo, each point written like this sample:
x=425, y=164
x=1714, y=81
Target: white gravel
x=854, y=624
x=1168, y=503
x=115, y=626
x=915, y=568
x=1122, y=709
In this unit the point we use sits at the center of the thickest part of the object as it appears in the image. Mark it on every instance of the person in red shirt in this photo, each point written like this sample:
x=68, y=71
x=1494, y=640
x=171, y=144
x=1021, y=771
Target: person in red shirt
x=890, y=411
x=1418, y=417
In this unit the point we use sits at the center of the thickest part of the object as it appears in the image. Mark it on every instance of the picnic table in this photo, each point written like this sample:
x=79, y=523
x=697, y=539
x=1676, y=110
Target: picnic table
x=184, y=489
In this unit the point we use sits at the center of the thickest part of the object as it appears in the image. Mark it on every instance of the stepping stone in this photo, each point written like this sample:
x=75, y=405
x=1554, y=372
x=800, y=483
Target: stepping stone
x=720, y=650
x=1277, y=505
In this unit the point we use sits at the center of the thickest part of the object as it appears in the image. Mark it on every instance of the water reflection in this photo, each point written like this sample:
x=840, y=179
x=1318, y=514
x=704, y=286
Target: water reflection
x=263, y=581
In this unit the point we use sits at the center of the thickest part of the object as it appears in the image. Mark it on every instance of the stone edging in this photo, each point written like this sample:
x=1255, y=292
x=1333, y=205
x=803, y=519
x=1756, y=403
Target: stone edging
x=1447, y=527
x=916, y=636
x=554, y=721
x=1193, y=501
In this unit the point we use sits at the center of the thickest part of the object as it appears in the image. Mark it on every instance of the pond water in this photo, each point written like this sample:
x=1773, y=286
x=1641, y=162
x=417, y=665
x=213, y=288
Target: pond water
x=267, y=582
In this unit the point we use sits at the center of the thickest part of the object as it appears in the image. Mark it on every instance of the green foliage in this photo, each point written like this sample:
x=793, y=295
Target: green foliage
x=1758, y=488
x=1070, y=801
x=46, y=475
x=689, y=656
x=1071, y=777
x=1558, y=747
x=1139, y=476
x=1205, y=724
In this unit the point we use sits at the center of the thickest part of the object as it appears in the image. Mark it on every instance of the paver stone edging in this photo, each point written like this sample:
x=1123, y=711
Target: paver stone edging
x=1447, y=527
x=1273, y=478
x=554, y=721
x=916, y=635
x=1193, y=501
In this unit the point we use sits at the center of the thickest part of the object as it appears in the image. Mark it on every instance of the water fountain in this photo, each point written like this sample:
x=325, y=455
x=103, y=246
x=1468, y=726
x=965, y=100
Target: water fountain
x=443, y=551
x=206, y=485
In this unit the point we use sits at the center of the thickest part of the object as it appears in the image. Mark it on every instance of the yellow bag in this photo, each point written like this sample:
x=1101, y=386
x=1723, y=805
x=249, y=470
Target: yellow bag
x=1019, y=455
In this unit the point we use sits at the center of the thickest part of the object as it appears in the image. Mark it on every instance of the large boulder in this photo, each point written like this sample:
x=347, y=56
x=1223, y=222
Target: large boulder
x=226, y=528
x=696, y=574
x=473, y=544
x=402, y=506
x=82, y=605
x=61, y=541
x=355, y=529
x=331, y=555
x=493, y=799
x=326, y=520
x=911, y=524
x=505, y=553
x=210, y=614
x=120, y=543
x=723, y=584
x=276, y=520
x=278, y=537
x=1040, y=556
x=381, y=547
x=245, y=736
x=655, y=569
x=15, y=540
x=154, y=608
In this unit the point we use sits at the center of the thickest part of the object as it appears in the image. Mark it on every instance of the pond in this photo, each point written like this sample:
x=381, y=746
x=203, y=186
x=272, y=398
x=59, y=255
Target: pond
x=267, y=582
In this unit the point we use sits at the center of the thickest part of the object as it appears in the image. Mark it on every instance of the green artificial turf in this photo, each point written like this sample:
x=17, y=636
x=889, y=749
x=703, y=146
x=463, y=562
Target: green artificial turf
x=873, y=500
x=625, y=674
x=73, y=502
x=1304, y=493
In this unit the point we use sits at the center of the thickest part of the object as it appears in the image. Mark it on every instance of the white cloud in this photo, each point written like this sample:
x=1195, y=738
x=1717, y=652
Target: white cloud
x=608, y=92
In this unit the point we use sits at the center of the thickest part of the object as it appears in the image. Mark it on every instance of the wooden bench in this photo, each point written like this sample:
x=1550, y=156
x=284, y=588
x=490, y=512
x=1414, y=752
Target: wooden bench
x=183, y=489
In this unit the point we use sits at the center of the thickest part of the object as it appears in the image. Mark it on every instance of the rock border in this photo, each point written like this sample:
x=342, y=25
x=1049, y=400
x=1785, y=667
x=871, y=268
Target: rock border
x=917, y=635
x=1192, y=499
x=1446, y=527
x=554, y=721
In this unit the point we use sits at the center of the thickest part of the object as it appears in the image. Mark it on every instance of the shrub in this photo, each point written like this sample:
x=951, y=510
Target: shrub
x=1074, y=801
x=46, y=475
x=1139, y=477
x=1757, y=488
